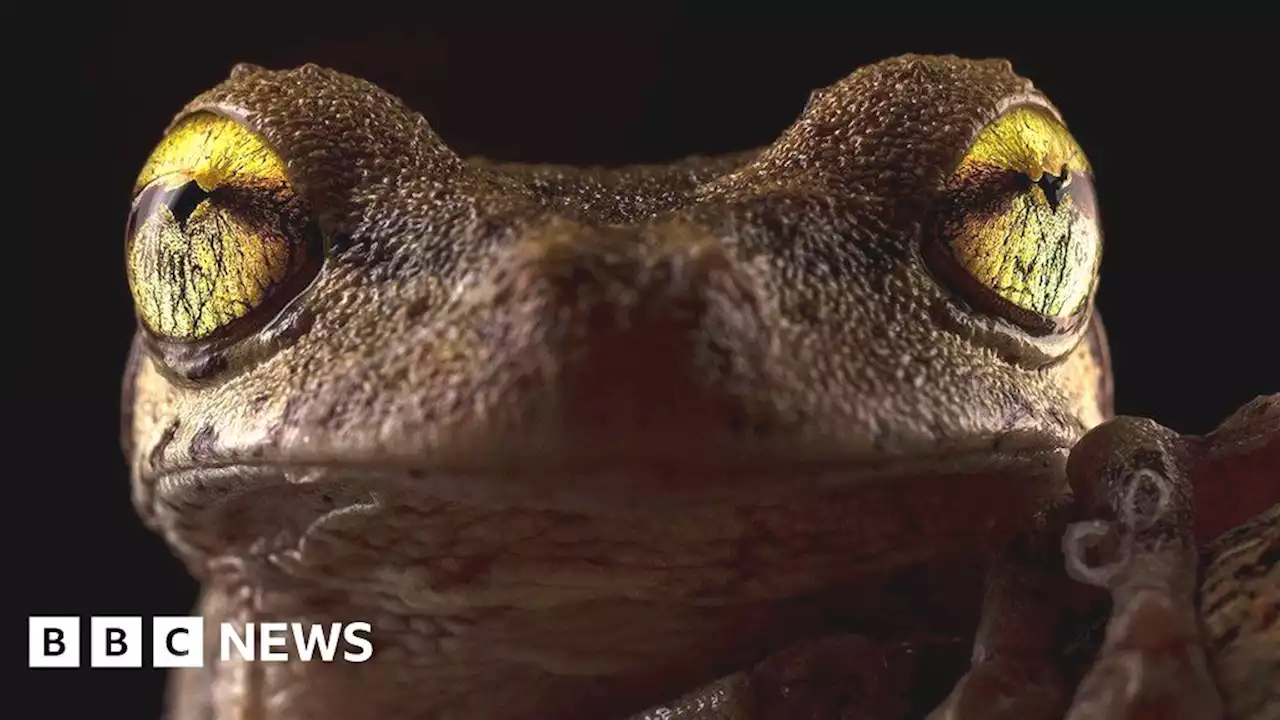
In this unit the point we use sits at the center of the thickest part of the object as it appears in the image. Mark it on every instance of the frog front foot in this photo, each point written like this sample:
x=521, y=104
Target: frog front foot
x=1014, y=672
x=1152, y=662
x=842, y=677
x=1192, y=634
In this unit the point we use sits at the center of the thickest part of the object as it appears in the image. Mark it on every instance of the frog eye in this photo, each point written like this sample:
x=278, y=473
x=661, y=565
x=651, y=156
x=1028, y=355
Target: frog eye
x=1017, y=228
x=216, y=238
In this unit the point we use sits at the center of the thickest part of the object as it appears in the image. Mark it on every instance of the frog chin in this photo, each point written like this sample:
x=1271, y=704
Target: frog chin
x=655, y=588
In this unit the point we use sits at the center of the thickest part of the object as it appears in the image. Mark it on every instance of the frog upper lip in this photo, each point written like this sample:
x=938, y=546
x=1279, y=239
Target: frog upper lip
x=595, y=487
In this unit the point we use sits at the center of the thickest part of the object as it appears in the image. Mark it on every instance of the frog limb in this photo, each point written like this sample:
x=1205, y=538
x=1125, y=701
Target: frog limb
x=1161, y=647
x=841, y=676
x=1133, y=472
x=1235, y=473
x=1234, y=468
x=1013, y=674
x=1239, y=605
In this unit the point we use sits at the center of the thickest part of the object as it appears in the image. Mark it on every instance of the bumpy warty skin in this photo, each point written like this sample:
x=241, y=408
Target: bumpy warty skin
x=570, y=437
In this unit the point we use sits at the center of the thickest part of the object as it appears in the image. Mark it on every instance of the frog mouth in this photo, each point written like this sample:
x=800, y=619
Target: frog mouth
x=823, y=528
x=1029, y=469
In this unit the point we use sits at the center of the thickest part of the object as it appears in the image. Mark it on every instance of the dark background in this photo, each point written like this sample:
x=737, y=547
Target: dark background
x=1174, y=123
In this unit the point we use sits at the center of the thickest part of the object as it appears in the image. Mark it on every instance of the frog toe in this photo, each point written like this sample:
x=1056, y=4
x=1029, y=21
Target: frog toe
x=1005, y=689
x=1015, y=671
x=1192, y=633
x=1151, y=666
x=1130, y=474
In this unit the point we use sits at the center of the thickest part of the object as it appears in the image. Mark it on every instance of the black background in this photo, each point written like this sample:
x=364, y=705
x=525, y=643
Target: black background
x=1175, y=124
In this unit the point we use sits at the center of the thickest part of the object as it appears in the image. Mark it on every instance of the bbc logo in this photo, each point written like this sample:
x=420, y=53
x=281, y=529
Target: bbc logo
x=117, y=642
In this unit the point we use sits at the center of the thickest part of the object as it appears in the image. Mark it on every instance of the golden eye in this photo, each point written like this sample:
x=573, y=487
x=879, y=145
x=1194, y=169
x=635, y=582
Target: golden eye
x=1017, y=228
x=216, y=234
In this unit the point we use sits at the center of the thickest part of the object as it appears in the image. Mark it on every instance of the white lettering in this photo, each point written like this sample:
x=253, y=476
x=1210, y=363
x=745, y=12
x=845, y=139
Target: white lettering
x=231, y=636
x=351, y=633
x=307, y=642
x=272, y=635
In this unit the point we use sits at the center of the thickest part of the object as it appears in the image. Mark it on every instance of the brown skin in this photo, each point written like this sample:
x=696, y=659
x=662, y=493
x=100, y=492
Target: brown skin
x=577, y=442
x=1183, y=621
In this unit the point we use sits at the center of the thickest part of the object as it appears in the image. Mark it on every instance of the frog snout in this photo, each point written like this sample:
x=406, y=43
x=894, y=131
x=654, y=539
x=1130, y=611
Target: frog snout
x=641, y=337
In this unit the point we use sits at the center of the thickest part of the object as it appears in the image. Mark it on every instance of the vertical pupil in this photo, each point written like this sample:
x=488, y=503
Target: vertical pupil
x=181, y=201
x=1054, y=187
